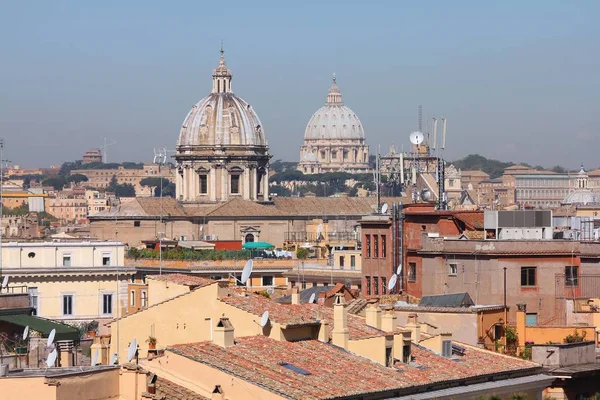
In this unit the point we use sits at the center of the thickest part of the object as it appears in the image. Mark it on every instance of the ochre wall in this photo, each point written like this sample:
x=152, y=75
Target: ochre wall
x=98, y=386
x=26, y=388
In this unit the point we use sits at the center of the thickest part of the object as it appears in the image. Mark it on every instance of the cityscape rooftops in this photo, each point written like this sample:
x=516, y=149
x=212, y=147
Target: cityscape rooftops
x=182, y=279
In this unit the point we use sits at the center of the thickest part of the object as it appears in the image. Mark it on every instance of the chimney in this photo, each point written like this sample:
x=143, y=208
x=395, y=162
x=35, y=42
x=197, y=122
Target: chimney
x=446, y=344
x=324, y=331
x=340, y=333
x=223, y=333
x=414, y=327
x=295, y=295
x=374, y=315
x=388, y=320
x=521, y=322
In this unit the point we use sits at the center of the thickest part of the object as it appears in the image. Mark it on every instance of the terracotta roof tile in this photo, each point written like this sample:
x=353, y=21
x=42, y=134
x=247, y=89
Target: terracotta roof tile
x=192, y=281
x=168, y=390
x=259, y=359
x=155, y=206
x=472, y=219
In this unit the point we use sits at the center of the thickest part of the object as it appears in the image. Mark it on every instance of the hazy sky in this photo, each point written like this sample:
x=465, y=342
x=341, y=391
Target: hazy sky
x=517, y=80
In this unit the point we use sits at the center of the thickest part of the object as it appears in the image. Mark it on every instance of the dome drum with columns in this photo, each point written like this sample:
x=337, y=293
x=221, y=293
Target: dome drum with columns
x=222, y=151
x=334, y=139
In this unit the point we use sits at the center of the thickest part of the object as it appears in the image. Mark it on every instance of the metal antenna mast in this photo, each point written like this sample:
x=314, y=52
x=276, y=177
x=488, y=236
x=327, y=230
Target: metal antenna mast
x=420, y=119
x=107, y=142
x=160, y=158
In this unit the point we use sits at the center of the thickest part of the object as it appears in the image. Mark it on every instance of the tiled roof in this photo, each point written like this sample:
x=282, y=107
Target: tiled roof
x=339, y=274
x=299, y=314
x=474, y=362
x=167, y=206
x=246, y=208
x=318, y=206
x=473, y=172
x=167, y=390
x=334, y=372
x=183, y=279
x=472, y=219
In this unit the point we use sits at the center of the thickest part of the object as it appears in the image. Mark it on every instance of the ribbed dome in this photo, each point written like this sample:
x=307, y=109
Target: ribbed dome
x=334, y=120
x=222, y=118
x=582, y=197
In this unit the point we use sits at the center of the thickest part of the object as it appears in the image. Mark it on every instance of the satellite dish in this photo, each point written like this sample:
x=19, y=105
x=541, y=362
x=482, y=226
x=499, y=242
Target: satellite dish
x=399, y=270
x=417, y=138
x=392, y=283
x=5, y=282
x=247, y=271
x=264, y=319
x=113, y=359
x=132, y=350
x=384, y=208
x=341, y=247
x=51, y=359
x=334, y=232
x=51, y=338
x=312, y=298
x=201, y=228
x=426, y=195
x=319, y=229
x=26, y=332
x=95, y=358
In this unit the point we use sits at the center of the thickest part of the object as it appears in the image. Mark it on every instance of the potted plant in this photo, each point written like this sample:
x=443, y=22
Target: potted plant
x=151, y=342
x=92, y=329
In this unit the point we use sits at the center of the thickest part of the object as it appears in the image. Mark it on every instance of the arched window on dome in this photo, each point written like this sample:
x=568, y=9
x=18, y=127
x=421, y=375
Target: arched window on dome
x=334, y=155
x=249, y=238
x=323, y=154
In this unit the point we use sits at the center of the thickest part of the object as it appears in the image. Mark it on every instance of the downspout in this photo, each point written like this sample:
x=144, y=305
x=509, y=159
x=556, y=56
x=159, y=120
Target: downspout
x=505, y=314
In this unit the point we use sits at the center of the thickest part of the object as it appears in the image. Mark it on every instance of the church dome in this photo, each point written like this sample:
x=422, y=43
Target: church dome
x=581, y=197
x=222, y=118
x=334, y=120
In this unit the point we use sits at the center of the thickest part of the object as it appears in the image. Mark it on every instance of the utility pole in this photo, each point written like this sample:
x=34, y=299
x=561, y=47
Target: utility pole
x=1, y=198
x=160, y=158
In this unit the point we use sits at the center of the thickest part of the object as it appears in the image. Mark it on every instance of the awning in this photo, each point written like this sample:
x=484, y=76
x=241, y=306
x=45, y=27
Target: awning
x=196, y=245
x=44, y=326
x=257, y=245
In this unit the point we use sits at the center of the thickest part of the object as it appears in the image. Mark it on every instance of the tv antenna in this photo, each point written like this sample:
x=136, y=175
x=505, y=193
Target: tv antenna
x=107, y=142
x=264, y=320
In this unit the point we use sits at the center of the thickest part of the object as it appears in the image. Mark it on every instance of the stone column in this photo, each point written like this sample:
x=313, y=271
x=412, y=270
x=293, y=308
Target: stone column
x=194, y=184
x=266, y=185
x=255, y=188
x=212, y=185
x=178, y=184
x=246, y=176
x=224, y=183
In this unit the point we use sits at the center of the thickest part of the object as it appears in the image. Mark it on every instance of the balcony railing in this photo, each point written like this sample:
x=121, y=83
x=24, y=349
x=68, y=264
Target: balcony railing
x=312, y=237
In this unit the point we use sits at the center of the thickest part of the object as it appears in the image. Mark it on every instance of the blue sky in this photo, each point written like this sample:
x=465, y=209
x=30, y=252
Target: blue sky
x=517, y=80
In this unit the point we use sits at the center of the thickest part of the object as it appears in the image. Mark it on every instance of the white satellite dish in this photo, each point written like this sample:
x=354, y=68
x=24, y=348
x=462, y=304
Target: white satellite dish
x=312, y=298
x=426, y=195
x=201, y=228
x=113, y=359
x=51, y=338
x=95, y=358
x=334, y=232
x=51, y=359
x=26, y=332
x=319, y=229
x=392, y=283
x=341, y=247
x=399, y=270
x=247, y=271
x=132, y=350
x=5, y=282
x=264, y=319
x=384, y=208
x=417, y=138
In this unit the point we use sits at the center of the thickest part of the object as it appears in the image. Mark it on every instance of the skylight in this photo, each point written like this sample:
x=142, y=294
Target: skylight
x=294, y=368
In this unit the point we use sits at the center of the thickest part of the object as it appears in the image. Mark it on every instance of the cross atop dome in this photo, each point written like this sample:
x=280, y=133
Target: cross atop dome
x=334, y=97
x=222, y=75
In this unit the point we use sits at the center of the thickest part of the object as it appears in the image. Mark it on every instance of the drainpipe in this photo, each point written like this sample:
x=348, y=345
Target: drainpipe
x=505, y=313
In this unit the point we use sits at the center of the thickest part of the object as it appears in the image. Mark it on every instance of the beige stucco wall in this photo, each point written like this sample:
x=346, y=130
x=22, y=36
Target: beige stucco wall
x=203, y=379
x=371, y=348
x=16, y=255
x=159, y=291
x=26, y=388
x=87, y=291
x=462, y=325
x=98, y=386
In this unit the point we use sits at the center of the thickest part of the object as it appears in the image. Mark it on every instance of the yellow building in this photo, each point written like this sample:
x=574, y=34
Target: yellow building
x=69, y=281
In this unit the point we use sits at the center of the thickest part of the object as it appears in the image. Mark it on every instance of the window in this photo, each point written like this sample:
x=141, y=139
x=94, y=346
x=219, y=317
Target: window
x=368, y=243
x=235, y=184
x=105, y=259
x=383, y=285
x=383, y=246
x=406, y=354
x=333, y=155
x=304, y=285
x=136, y=224
x=531, y=319
x=66, y=259
x=352, y=262
x=452, y=269
x=33, y=299
x=293, y=283
x=342, y=262
x=132, y=298
x=446, y=348
x=376, y=286
x=389, y=357
x=267, y=280
x=107, y=304
x=375, y=246
x=412, y=272
x=144, y=299
x=203, y=184
x=67, y=300
x=498, y=332
x=528, y=276
x=571, y=275
x=368, y=281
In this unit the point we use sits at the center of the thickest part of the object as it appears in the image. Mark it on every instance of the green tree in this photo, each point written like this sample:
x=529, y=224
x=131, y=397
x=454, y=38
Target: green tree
x=68, y=166
x=57, y=182
x=77, y=178
x=302, y=253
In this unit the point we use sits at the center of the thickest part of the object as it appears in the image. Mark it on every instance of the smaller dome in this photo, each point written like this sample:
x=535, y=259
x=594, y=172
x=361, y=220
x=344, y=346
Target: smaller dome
x=581, y=197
